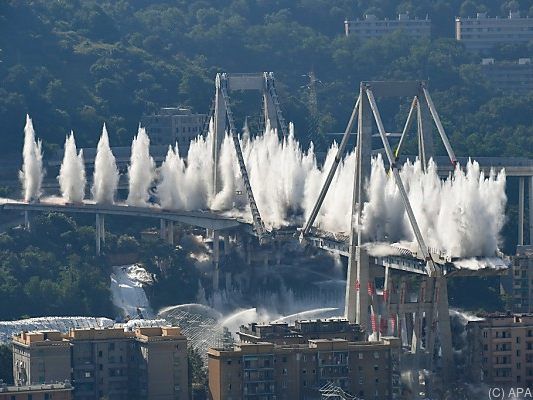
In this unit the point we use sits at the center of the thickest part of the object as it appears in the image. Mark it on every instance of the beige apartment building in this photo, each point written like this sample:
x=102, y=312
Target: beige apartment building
x=269, y=371
x=500, y=350
x=483, y=33
x=372, y=27
x=148, y=363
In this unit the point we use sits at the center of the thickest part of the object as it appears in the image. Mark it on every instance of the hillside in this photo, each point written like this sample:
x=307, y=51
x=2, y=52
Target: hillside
x=76, y=64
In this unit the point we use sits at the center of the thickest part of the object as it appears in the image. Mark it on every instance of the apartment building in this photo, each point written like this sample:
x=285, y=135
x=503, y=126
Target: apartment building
x=500, y=350
x=483, y=33
x=510, y=76
x=521, y=280
x=148, y=363
x=174, y=125
x=372, y=27
x=271, y=371
x=40, y=357
x=56, y=391
x=301, y=332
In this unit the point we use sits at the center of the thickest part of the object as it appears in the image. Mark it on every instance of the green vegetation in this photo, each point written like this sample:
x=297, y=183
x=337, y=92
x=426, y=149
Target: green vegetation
x=197, y=375
x=75, y=64
x=6, y=364
x=52, y=270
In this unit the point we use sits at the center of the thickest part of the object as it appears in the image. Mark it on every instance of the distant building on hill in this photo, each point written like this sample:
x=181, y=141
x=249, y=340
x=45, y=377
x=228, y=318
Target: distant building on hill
x=149, y=363
x=509, y=76
x=174, y=125
x=483, y=33
x=371, y=27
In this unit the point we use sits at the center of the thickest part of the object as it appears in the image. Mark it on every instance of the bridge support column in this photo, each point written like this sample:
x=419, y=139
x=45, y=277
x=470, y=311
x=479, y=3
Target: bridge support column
x=98, y=232
x=356, y=303
x=425, y=131
x=416, y=341
x=531, y=210
x=227, y=245
x=270, y=109
x=229, y=282
x=216, y=260
x=445, y=330
x=102, y=228
x=27, y=221
x=521, y=200
x=357, y=298
x=170, y=232
x=219, y=130
x=248, y=251
x=431, y=334
x=385, y=310
x=162, y=228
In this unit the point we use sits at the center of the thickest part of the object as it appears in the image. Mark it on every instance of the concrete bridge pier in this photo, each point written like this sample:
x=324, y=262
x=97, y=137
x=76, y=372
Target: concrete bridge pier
x=227, y=245
x=100, y=232
x=170, y=232
x=166, y=231
x=162, y=228
x=521, y=201
x=216, y=260
x=27, y=221
x=531, y=210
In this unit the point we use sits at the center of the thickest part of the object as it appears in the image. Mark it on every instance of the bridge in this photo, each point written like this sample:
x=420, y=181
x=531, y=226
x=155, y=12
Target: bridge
x=377, y=296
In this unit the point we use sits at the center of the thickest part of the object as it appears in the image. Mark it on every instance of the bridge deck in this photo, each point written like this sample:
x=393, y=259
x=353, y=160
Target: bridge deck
x=202, y=219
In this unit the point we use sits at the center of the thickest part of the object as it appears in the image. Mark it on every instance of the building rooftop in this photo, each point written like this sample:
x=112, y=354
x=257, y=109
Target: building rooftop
x=524, y=250
x=65, y=386
x=144, y=334
x=312, y=344
x=301, y=331
x=504, y=319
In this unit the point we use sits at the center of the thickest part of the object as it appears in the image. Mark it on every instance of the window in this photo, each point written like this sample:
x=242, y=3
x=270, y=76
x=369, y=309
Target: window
x=228, y=362
x=100, y=353
x=376, y=355
x=360, y=355
x=88, y=374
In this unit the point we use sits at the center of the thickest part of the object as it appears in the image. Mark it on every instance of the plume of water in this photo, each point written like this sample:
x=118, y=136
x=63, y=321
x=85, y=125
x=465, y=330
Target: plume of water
x=141, y=171
x=72, y=172
x=105, y=179
x=31, y=175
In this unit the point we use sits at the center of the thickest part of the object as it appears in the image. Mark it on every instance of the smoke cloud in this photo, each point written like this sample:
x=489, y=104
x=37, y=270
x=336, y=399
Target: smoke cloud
x=72, y=172
x=141, y=171
x=461, y=216
x=31, y=175
x=105, y=178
